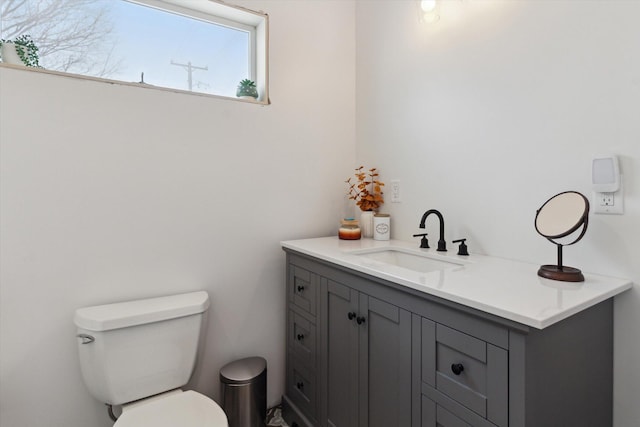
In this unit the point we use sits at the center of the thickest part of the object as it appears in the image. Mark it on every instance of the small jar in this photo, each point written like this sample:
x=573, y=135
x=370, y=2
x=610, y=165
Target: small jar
x=349, y=229
x=381, y=227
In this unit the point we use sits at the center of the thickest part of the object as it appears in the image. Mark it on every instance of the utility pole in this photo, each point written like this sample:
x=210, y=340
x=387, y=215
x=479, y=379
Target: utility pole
x=189, y=69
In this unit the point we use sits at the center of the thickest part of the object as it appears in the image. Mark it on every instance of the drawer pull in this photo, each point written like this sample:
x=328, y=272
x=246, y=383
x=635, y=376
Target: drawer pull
x=300, y=288
x=351, y=315
x=360, y=320
x=300, y=385
x=457, y=368
x=300, y=337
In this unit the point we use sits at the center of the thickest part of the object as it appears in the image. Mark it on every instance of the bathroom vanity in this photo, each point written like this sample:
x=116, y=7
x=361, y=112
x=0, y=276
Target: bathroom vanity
x=386, y=334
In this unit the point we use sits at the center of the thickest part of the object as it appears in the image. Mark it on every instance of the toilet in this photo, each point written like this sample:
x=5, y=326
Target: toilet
x=138, y=354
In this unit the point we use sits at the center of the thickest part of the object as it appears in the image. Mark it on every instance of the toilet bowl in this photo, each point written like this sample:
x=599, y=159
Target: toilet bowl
x=137, y=354
x=172, y=409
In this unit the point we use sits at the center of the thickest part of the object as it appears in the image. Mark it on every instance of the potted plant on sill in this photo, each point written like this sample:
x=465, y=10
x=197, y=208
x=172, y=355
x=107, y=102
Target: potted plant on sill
x=247, y=89
x=20, y=51
x=367, y=192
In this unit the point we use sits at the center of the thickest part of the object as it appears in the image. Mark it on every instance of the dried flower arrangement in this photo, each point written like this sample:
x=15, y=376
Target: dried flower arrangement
x=367, y=199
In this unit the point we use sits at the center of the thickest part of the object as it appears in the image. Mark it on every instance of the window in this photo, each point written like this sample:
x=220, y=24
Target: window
x=201, y=46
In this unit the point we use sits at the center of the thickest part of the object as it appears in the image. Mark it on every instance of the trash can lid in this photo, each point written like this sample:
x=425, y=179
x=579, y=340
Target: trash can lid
x=243, y=371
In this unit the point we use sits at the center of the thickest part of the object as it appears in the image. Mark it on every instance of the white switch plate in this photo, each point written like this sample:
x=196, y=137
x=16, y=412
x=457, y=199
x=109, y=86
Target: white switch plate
x=395, y=191
x=608, y=203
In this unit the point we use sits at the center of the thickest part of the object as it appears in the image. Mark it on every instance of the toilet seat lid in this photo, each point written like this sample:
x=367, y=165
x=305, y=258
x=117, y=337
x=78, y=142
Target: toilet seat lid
x=186, y=409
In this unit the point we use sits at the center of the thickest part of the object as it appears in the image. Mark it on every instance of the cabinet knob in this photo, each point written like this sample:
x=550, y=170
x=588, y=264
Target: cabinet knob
x=360, y=320
x=457, y=368
x=300, y=288
x=300, y=337
x=300, y=385
x=351, y=315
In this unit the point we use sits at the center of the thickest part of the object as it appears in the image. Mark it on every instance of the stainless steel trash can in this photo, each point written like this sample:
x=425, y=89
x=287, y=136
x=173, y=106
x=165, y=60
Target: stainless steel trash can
x=244, y=392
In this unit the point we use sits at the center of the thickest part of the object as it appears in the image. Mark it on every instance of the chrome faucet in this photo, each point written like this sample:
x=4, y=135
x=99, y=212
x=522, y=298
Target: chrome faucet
x=442, y=245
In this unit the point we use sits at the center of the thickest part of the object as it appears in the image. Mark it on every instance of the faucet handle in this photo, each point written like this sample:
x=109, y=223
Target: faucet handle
x=424, y=243
x=462, y=249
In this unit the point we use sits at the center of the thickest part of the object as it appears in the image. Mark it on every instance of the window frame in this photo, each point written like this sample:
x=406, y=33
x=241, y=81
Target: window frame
x=214, y=12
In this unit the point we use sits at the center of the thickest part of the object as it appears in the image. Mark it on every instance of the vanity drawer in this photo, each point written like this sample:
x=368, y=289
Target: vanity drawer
x=303, y=289
x=302, y=339
x=437, y=414
x=470, y=371
x=434, y=415
x=301, y=387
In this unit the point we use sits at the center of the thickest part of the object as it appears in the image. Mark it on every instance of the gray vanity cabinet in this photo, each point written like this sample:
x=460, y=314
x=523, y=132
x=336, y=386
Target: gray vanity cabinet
x=362, y=351
x=366, y=362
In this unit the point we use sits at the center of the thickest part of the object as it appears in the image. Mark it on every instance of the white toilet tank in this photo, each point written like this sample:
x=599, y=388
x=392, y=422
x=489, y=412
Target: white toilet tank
x=135, y=349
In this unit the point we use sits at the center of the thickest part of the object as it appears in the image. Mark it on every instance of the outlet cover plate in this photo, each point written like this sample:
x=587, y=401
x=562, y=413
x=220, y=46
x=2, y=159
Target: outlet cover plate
x=608, y=203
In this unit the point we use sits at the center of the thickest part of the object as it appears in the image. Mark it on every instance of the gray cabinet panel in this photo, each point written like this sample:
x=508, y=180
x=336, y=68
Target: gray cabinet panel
x=568, y=371
x=385, y=364
x=341, y=355
x=302, y=387
x=447, y=419
x=428, y=340
x=429, y=417
x=302, y=339
x=435, y=415
x=303, y=289
x=463, y=342
x=454, y=408
x=498, y=385
x=467, y=396
x=293, y=415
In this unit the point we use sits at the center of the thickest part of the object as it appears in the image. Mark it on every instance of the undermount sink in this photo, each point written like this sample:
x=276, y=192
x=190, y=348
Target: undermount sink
x=404, y=258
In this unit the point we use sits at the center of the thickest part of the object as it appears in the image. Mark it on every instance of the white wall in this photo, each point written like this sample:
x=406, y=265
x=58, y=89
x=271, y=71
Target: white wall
x=497, y=107
x=111, y=193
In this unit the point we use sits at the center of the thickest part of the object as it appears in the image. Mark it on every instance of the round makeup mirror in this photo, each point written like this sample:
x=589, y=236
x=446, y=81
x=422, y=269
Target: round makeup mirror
x=560, y=216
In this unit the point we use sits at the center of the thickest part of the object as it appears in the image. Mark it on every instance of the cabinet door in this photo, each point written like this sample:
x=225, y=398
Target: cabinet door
x=341, y=306
x=385, y=364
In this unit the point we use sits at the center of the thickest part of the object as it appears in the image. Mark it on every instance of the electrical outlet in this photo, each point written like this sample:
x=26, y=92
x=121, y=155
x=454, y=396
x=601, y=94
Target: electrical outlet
x=608, y=203
x=606, y=199
x=395, y=191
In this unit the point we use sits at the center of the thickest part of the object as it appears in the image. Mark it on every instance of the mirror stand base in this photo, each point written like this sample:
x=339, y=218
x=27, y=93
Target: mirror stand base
x=561, y=273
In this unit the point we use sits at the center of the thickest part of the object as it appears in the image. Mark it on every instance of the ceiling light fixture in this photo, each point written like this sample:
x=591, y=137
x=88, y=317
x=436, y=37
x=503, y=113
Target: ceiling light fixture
x=429, y=11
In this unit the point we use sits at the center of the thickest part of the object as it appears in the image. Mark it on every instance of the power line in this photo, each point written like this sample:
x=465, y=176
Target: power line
x=189, y=69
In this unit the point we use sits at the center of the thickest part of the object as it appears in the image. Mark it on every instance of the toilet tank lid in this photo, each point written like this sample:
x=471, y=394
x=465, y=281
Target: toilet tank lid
x=130, y=313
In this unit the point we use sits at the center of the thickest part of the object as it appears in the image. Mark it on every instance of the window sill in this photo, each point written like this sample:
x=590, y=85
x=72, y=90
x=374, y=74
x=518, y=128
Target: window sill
x=132, y=84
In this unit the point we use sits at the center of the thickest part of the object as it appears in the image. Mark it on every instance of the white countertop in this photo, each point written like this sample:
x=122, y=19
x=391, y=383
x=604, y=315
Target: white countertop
x=505, y=288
